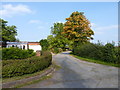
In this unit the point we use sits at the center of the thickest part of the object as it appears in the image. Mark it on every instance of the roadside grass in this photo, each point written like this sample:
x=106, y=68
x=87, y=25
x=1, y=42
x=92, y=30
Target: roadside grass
x=33, y=82
x=95, y=61
x=57, y=67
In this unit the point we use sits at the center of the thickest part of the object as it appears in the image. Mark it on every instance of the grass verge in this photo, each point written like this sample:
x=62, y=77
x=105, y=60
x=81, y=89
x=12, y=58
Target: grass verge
x=33, y=82
x=95, y=61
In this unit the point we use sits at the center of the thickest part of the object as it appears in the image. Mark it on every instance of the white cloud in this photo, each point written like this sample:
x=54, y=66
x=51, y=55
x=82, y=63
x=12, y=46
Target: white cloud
x=103, y=29
x=34, y=21
x=9, y=10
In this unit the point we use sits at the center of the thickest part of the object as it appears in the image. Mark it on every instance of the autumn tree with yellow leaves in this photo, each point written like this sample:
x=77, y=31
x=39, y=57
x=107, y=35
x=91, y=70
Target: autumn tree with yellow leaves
x=77, y=28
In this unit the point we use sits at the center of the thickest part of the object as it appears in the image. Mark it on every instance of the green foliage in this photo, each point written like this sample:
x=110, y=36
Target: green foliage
x=8, y=33
x=44, y=43
x=77, y=28
x=57, y=29
x=16, y=53
x=56, y=50
x=0, y=53
x=57, y=41
x=107, y=53
x=11, y=68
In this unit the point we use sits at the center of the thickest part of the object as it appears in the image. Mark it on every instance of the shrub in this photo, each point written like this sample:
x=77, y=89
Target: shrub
x=11, y=68
x=55, y=50
x=16, y=53
x=44, y=43
x=0, y=53
x=107, y=53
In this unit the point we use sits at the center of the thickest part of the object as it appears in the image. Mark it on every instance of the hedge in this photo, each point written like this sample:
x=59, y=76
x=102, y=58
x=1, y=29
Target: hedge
x=16, y=53
x=107, y=53
x=11, y=68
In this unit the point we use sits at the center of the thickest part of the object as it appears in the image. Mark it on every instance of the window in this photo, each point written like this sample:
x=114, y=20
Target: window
x=23, y=46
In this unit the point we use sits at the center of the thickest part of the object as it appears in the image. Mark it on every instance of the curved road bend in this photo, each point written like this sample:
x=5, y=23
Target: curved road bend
x=79, y=74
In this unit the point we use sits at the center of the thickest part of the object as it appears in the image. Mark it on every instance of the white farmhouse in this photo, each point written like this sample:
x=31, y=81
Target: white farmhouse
x=34, y=45
x=25, y=45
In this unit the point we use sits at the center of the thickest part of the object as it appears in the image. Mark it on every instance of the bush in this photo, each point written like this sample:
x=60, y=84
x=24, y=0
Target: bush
x=107, y=53
x=56, y=50
x=16, y=53
x=0, y=53
x=11, y=68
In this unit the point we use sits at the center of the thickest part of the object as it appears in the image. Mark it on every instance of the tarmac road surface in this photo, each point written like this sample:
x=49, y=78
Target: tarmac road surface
x=75, y=73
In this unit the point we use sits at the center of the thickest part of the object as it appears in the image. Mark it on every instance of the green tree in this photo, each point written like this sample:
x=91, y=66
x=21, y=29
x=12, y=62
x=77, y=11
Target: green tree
x=56, y=44
x=44, y=43
x=57, y=29
x=77, y=28
x=57, y=39
x=8, y=33
x=52, y=41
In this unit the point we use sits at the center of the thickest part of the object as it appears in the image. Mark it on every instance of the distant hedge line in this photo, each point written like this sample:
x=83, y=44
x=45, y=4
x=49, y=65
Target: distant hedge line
x=107, y=53
x=11, y=68
x=16, y=53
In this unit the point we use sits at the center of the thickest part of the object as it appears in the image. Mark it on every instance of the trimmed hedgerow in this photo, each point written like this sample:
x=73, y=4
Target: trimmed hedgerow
x=16, y=53
x=11, y=68
x=107, y=53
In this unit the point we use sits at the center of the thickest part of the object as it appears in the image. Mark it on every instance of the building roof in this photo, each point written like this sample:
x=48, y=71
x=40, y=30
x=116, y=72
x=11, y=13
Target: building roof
x=22, y=42
x=16, y=43
x=33, y=43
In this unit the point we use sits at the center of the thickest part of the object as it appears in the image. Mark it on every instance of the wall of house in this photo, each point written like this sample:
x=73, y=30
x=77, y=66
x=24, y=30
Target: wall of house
x=25, y=45
x=35, y=47
x=22, y=45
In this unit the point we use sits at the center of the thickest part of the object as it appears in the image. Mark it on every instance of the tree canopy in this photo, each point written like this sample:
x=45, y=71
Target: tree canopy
x=57, y=39
x=58, y=42
x=77, y=28
x=44, y=43
x=57, y=29
x=8, y=33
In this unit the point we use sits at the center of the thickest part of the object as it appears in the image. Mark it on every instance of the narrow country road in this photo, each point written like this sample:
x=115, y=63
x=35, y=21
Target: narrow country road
x=76, y=73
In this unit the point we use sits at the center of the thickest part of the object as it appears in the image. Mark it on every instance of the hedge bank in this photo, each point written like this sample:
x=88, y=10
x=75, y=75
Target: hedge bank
x=16, y=53
x=107, y=53
x=11, y=68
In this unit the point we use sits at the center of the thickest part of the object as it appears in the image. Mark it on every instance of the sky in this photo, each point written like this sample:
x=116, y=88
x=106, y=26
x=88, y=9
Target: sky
x=34, y=19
